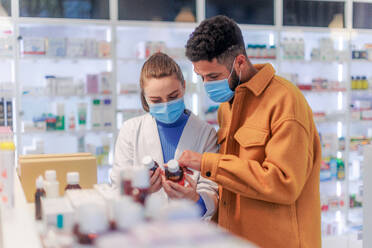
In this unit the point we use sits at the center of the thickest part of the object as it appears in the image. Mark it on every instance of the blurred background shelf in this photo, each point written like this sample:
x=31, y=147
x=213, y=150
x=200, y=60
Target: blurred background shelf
x=326, y=55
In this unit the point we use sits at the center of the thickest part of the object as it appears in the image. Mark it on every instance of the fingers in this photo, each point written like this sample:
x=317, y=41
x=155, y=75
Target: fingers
x=168, y=189
x=187, y=171
x=156, y=186
x=155, y=176
x=191, y=181
x=184, y=160
x=177, y=187
x=190, y=159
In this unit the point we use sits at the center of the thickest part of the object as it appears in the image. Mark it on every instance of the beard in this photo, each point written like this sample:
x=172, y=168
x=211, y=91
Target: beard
x=234, y=80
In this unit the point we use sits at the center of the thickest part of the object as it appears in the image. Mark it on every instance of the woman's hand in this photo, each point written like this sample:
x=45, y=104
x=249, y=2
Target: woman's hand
x=176, y=191
x=155, y=181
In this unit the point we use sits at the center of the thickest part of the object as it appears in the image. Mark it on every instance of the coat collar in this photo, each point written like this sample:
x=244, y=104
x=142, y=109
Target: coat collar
x=153, y=139
x=258, y=83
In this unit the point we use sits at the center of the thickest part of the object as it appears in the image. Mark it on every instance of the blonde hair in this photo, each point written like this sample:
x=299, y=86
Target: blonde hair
x=158, y=66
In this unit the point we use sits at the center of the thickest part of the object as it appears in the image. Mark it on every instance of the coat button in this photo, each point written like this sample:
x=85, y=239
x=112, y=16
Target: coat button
x=208, y=174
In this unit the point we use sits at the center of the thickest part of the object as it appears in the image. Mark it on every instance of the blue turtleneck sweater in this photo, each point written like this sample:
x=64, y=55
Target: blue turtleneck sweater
x=170, y=135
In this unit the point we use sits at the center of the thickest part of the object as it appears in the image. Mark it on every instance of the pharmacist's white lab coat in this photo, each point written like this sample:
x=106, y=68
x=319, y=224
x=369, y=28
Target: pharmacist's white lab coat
x=139, y=137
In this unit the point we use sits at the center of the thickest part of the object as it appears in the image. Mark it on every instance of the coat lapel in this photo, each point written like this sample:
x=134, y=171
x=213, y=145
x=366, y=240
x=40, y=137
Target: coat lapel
x=152, y=140
x=187, y=139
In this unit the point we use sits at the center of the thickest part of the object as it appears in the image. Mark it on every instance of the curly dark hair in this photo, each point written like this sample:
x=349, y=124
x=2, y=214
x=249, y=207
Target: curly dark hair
x=217, y=37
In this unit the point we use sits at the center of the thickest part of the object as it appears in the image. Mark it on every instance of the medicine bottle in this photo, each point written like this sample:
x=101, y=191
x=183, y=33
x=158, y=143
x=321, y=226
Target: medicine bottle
x=149, y=163
x=174, y=172
x=73, y=179
x=40, y=192
x=141, y=184
x=126, y=175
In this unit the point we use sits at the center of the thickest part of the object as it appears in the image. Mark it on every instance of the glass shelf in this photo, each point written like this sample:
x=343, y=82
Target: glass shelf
x=312, y=62
x=342, y=90
x=62, y=59
x=69, y=132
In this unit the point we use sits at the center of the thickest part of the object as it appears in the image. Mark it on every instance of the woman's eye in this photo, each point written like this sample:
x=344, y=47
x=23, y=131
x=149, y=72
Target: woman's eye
x=173, y=97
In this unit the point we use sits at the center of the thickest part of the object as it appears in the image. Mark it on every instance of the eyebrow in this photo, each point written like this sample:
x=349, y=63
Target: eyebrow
x=176, y=91
x=213, y=73
x=157, y=97
x=208, y=75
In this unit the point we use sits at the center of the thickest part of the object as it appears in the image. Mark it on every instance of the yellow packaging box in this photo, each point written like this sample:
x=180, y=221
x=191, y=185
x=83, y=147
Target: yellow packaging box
x=30, y=167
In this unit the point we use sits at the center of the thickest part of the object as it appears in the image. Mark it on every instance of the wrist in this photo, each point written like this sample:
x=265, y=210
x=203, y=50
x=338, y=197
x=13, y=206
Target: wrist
x=196, y=197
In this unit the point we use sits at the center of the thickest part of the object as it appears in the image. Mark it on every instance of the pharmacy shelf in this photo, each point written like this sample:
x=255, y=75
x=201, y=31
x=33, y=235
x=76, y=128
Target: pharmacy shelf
x=333, y=181
x=69, y=97
x=367, y=91
x=361, y=61
x=6, y=58
x=263, y=60
x=329, y=118
x=142, y=60
x=317, y=91
x=117, y=31
x=312, y=62
x=361, y=121
x=68, y=132
x=62, y=59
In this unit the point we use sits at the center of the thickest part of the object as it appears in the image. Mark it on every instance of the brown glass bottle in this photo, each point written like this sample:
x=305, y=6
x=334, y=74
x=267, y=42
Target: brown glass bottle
x=40, y=192
x=140, y=195
x=73, y=179
x=91, y=223
x=174, y=172
x=72, y=186
x=82, y=238
x=126, y=175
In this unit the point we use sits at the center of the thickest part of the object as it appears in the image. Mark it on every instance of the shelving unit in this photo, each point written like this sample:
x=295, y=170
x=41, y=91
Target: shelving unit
x=331, y=106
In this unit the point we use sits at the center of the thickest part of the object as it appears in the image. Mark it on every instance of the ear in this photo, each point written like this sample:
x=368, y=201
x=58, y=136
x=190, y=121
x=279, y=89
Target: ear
x=184, y=85
x=241, y=60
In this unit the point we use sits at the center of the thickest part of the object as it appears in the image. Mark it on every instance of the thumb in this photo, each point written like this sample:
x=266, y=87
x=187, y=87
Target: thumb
x=191, y=181
x=182, y=158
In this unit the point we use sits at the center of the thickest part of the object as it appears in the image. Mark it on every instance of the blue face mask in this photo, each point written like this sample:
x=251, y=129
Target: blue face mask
x=219, y=90
x=167, y=112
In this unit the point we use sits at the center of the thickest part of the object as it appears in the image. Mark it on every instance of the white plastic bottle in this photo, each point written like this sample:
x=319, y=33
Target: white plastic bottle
x=140, y=184
x=127, y=213
x=51, y=184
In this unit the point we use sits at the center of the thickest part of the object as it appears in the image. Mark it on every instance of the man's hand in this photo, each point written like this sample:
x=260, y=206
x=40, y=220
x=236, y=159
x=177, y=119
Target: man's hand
x=155, y=181
x=191, y=160
x=176, y=191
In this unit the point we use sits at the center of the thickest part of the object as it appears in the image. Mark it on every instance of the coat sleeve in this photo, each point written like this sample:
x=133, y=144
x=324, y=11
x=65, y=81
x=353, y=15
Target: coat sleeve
x=208, y=189
x=124, y=154
x=279, y=179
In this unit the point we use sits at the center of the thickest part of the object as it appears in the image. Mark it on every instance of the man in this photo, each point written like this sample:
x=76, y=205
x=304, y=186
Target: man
x=270, y=153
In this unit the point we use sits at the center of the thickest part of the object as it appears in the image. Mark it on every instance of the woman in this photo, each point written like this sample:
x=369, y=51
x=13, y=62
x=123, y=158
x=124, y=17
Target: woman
x=165, y=132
